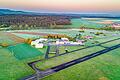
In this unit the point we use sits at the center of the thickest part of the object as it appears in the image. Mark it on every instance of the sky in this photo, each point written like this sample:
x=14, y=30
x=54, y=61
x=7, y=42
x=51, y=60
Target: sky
x=76, y=6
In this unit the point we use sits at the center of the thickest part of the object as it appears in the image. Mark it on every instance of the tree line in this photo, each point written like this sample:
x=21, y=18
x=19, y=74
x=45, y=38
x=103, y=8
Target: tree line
x=24, y=22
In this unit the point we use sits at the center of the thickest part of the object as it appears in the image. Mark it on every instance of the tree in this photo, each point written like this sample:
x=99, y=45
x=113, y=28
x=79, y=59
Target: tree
x=28, y=41
x=4, y=44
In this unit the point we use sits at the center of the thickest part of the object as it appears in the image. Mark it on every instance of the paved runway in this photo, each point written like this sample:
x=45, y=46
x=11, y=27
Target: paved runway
x=71, y=63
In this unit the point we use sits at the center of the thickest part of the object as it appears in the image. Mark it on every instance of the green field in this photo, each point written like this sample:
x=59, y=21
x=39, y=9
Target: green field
x=77, y=23
x=74, y=55
x=104, y=67
x=69, y=32
x=14, y=66
x=14, y=59
x=112, y=43
x=6, y=39
x=23, y=51
x=66, y=58
x=11, y=68
x=26, y=36
x=90, y=23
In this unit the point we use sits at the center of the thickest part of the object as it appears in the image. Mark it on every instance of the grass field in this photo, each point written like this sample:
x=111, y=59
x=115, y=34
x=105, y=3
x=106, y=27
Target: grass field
x=77, y=23
x=23, y=51
x=10, y=39
x=5, y=39
x=104, y=67
x=91, y=22
x=74, y=55
x=112, y=43
x=12, y=68
x=26, y=36
x=69, y=32
x=66, y=58
x=98, y=68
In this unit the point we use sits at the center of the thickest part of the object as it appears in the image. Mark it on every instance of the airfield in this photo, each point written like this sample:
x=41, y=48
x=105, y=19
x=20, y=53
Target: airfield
x=17, y=56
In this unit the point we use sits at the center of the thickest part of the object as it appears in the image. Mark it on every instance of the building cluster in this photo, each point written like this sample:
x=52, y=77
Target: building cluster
x=40, y=43
x=116, y=25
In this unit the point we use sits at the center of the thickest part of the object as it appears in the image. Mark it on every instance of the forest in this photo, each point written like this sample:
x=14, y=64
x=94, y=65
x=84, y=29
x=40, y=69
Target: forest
x=32, y=22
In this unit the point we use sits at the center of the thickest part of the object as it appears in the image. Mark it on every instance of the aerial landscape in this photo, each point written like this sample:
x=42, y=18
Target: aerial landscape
x=60, y=40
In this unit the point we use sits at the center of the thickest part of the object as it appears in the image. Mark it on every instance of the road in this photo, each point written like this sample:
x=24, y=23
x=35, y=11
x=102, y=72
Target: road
x=75, y=50
x=42, y=74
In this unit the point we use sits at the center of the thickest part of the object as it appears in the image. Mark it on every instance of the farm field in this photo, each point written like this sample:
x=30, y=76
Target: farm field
x=13, y=63
x=10, y=39
x=14, y=58
x=72, y=32
x=13, y=68
x=77, y=23
x=91, y=22
x=69, y=32
x=26, y=36
x=23, y=51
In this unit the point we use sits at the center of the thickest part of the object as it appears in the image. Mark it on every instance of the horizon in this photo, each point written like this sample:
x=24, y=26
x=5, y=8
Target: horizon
x=61, y=6
x=56, y=12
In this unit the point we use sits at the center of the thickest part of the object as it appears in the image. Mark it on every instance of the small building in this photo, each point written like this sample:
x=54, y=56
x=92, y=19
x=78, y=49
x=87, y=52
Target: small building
x=116, y=25
x=88, y=37
x=64, y=39
x=33, y=43
x=41, y=40
x=76, y=43
x=59, y=42
x=38, y=43
x=69, y=43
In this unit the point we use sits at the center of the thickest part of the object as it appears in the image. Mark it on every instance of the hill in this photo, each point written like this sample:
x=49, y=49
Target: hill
x=13, y=12
x=72, y=15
